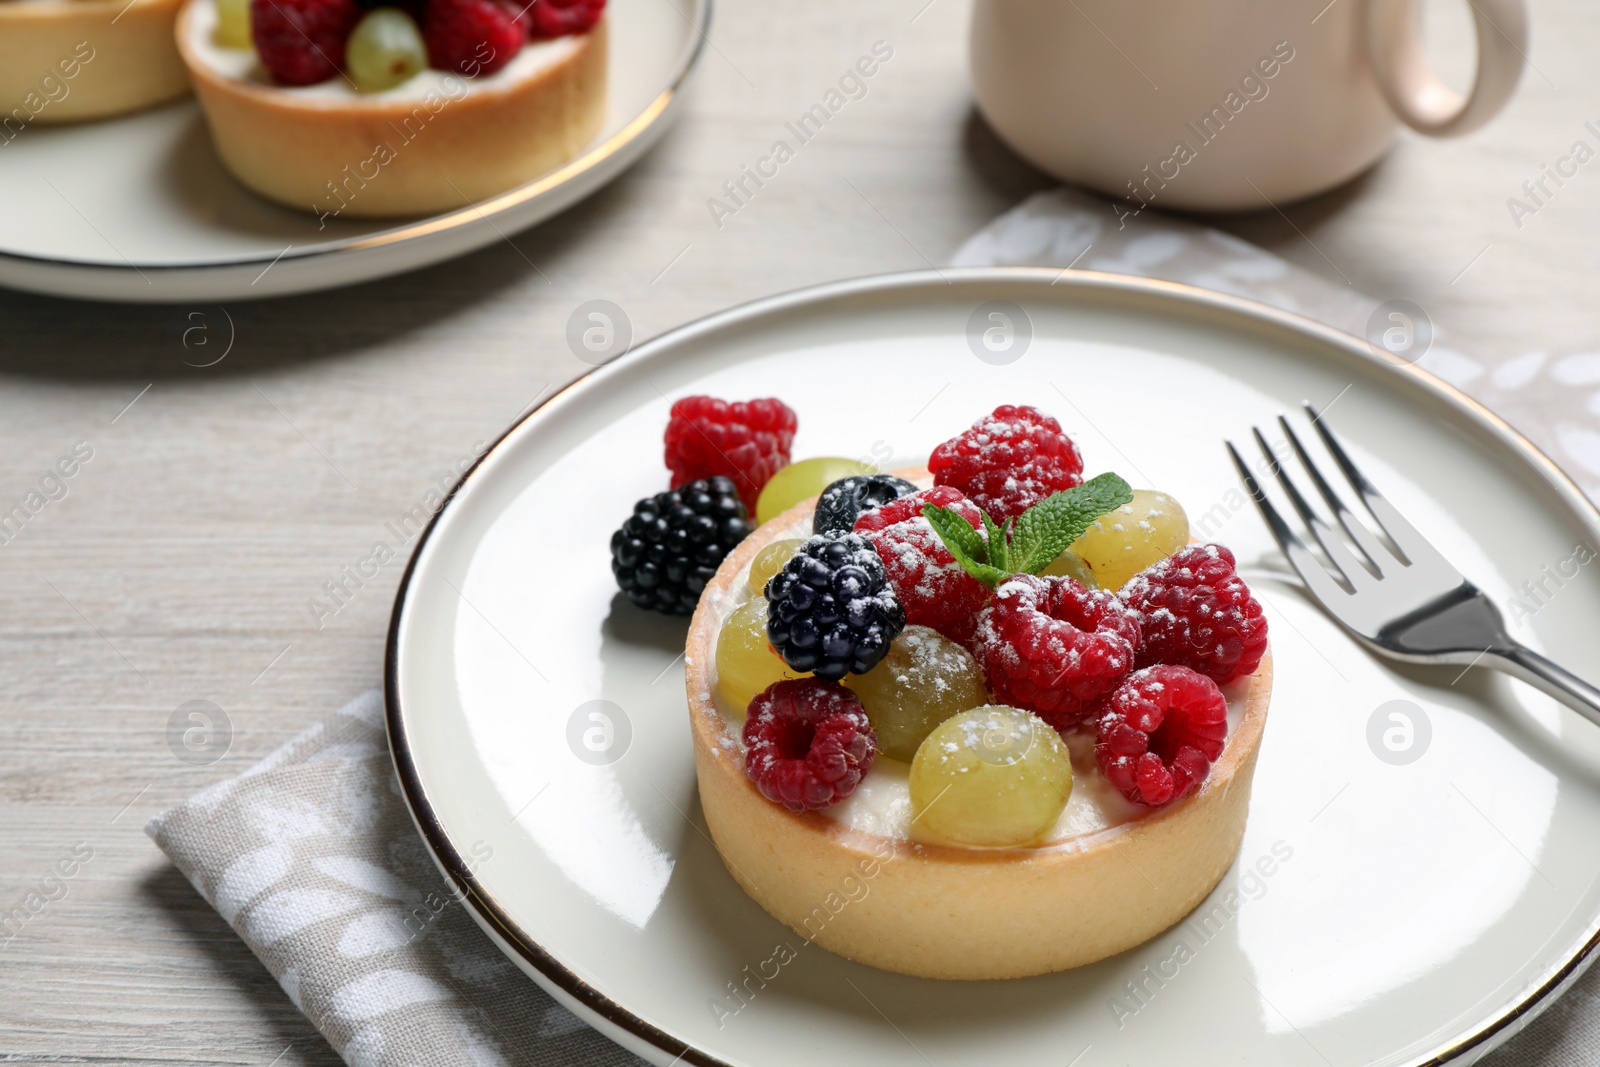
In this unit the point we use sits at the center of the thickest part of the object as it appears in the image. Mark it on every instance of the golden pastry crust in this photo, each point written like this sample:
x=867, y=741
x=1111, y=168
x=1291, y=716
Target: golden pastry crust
x=384, y=158
x=75, y=60
x=954, y=913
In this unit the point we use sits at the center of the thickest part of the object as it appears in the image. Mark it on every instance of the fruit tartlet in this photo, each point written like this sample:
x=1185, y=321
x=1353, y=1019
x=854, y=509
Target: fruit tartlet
x=373, y=109
x=983, y=719
x=75, y=60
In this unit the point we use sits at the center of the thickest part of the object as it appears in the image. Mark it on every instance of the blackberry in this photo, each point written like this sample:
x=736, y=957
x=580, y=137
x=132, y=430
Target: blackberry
x=831, y=610
x=842, y=503
x=672, y=544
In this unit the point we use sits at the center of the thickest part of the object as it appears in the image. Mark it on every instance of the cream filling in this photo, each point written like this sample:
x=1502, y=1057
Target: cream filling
x=881, y=804
x=241, y=64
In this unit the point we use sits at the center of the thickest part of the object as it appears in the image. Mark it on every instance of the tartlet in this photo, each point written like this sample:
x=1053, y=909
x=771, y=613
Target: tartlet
x=939, y=911
x=439, y=142
x=76, y=60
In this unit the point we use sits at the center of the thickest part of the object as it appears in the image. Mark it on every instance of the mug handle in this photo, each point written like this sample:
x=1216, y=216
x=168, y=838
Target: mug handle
x=1416, y=94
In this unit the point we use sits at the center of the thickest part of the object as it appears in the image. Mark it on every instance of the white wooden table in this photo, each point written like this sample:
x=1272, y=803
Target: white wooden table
x=181, y=563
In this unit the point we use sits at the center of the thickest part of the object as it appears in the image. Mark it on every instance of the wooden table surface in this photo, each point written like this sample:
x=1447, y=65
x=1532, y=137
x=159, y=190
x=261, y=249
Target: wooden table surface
x=180, y=564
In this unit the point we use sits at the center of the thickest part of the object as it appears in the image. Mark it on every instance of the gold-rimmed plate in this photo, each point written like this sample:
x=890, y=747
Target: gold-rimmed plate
x=140, y=209
x=1417, y=877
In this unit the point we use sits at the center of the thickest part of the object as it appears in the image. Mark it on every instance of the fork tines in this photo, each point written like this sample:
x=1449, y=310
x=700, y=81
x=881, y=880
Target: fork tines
x=1399, y=549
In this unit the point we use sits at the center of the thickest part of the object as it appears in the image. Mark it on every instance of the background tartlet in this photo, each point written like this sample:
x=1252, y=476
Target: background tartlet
x=410, y=151
x=75, y=60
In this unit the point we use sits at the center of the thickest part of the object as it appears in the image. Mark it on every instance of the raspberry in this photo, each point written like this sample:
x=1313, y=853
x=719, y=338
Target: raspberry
x=807, y=743
x=1160, y=733
x=830, y=609
x=935, y=589
x=1196, y=612
x=301, y=42
x=668, y=549
x=1008, y=461
x=1053, y=647
x=557, y=18
x=473, y=37
x=746, y=441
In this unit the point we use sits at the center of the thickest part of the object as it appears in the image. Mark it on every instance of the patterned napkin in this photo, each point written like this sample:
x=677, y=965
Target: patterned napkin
x=311, y=855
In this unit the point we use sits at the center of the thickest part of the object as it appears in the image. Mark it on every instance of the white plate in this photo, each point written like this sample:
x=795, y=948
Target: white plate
x=1379, y=914
x=141, y=209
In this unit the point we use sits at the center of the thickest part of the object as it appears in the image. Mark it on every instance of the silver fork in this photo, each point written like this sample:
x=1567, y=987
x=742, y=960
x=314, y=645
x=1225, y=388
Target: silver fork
x=1401, y=599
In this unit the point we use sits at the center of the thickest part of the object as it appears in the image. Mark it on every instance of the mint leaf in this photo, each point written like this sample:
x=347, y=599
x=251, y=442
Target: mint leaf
x=999, y=549
x=1045, y=530
x=966, y=544
x=1028, y=544
x=957, y=533
x=989, y=576
x=1024, y=539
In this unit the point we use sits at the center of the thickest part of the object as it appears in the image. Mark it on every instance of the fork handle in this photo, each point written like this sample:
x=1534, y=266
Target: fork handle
x=1550, y=677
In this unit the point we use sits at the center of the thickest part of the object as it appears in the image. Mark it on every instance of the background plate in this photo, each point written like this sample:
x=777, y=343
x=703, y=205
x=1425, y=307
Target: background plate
x=141, y=209
x=1381, y=912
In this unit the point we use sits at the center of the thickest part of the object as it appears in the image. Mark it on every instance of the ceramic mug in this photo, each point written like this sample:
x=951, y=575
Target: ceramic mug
x=1224, y=105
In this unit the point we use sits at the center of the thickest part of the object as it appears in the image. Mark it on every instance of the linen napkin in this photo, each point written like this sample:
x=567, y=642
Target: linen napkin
x=312, y=858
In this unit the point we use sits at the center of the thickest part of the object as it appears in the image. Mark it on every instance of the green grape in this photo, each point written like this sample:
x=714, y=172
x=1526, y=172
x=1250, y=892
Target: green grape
x=384, y=50
x=994, y=776
x=1071, y=565
x=803, y=480
x=746, y=663
x=923, y=680
x=1137, y=535
x=233, y=24
x=770, y=561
